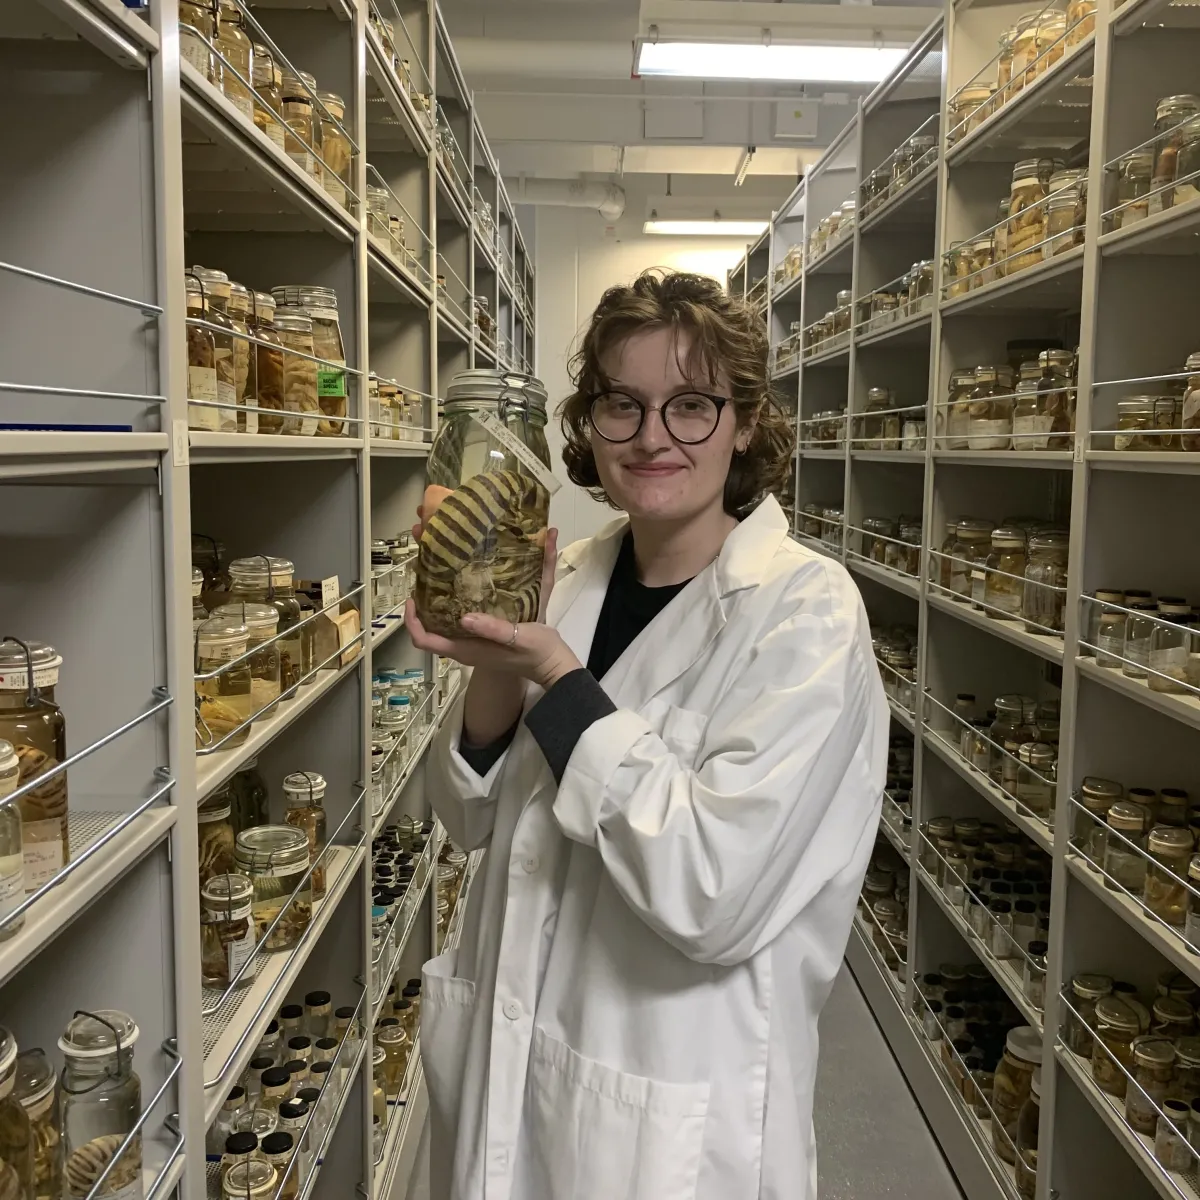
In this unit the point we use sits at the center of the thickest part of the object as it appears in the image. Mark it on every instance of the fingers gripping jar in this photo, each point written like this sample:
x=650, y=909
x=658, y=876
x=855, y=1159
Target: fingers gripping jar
x=489, y=467
x=33, y=723
x=101, y=1104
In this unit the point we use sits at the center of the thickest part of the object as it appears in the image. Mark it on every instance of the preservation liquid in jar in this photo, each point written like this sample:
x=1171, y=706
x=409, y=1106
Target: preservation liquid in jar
x=17, y=1151
x=1187, y=186
x=238, y=313
x=296, y=92
x=224, y=703
x=36, y=1090
x=335, y=146
x=197, y=32
x=486, y=503
x=235, y=47
x=215, y=287
x=12, y=860
x=268, y=103
x=101, y=1104
x=266, y=389
x=261, y=621
x=202, y=362
x=227, y=932
x=1191, y=401
x=271, y=581
x=991, y=407
x=1005, y=573
x=1027, y=213
x=320, y=305
x=215, y=835
x=1170, y=114
x=300, y=386
x=32, y=722
x=303, y=793
x=276, y=859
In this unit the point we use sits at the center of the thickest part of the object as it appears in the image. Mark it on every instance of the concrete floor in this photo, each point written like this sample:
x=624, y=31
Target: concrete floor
x=872, y=1141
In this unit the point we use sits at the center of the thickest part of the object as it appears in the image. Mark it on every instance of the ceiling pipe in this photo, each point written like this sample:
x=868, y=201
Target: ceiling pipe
x=607, y=198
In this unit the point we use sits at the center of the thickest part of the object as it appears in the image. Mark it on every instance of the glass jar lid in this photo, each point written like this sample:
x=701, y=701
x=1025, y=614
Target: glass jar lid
x=334, y=103
x=1110, y=1010
x=1153, y=1052
x=1175, y=108
x=390, y=1035
x=971, y=530
x=239, y=297
x=1136, y=405
x=252, y=1178
x=1049, y=540
x=1091, y=987
x=878, y=395
x=96, y=1035
x=1170, y=839
x=223, y=633
x=378, y=1054
x=1008, y=538
x=216, y=808
x=35, y=1077
x=260, y=618
x=1128, y=817
x=255, y=570
x=1173, y=1010
x=1037, y=754
x=1056, y=358
x=216, y=283
x=264, y=306
x=303, y=787
x=229, y=895
x=293, y=321
x=1024, y=1042
x=14, y=665
x=486, y=388
x=1009, y=705
x=1138, y=165
x=271, y=846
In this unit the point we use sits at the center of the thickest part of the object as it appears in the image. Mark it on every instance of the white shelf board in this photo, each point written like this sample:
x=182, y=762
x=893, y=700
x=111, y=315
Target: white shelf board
x=916, y=457
x=904, y=584
x=1054, y=285
x=1173, y=462
x=839, y=454
x=267, y=447
x=27, y=454
x=1033, y=829
x=110, y=27
x=830, y=261
x=214, y=769
x=1111, y=1110
x=909, y=331
x=1040, y=644
x=788, y=292
x=1168, y=944
x=402, y=281
x=903, y=210
x=253, y=1007
x=902, y=716
x=50, y=915
x=1058, y=460
x=829, y=358
x=1181, y=708
x=386, y=448
x=1172, y=231
x=1000, y=969
x=383, y=627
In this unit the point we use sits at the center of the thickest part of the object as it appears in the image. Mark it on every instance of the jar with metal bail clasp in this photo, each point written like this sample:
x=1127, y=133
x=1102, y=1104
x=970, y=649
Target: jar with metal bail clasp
x=271, y=581
x=490, y=467
x=36, y=1090
x=18, y=1169
x=304, y=791
x=276, y=858
x=101, y=1105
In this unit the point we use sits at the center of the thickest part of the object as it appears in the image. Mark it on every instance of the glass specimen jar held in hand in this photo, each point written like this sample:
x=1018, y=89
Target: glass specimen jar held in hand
x=487, y=503
x=101, y=1104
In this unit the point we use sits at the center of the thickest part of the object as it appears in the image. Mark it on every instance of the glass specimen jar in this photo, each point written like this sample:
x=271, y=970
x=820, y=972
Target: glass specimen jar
x=1164, y=892
x=1138, y=627
x=36, y=1090
x=300, y=375
x=255, y=1179
x=248, y=793
x=236, y=48
x=261, y=621
x=296, y=93
x=215, y=835
x=1124, y=863
x=202, y=361
x=971, y=542
x=1010, y=732
x=1014, y=1075
x=12, y=861
x=1170, y=652
x=1172, y=1150
x=265, y=391
x=303, y=793
x=1186, y=1084
x=271, y=581
x=952, y=422
x=1035, y=777
x=336, y=153
x=101, y=1104
x=275, y=857
x=1062, y=232
x=969, y=107
x=989, y=424
x=1056, y=397
x=1191, y=399
x=1081, y=20
x=1027, y=1139
x=1004, y=586
x=1153, y=1066
x=215, y=287
x=1027, y=211
x=1086, y=991
x=18, y=1149
x=488, y=464
x=238, y=313
x=1170, y=115
x=377, y=211
x=880, y=426
x=1191, y=924
x=1043, y=600
x=1134, y=173
x=320, y=304
x=227, y=934
x=389, y=1034
x=1117, y=1024
x=223, y=702
x=33, y=724
x=268, y=102
x=197, y=32
x=1172, y=1018
x=980, y=259
x=1187, y=185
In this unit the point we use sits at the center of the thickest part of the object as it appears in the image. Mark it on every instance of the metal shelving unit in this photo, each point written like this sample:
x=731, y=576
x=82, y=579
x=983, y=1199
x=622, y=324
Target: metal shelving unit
x=155, y=169
x=1121, y=296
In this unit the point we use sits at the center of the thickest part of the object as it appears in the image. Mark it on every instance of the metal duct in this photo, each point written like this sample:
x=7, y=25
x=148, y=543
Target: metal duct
x=607, y=198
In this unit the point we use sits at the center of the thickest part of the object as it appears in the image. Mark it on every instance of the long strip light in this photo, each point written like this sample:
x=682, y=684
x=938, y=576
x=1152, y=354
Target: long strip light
x=717, y=228
x=783, y=63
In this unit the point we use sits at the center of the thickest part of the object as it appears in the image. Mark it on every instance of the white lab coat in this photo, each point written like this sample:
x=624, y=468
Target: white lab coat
x=632, y=1011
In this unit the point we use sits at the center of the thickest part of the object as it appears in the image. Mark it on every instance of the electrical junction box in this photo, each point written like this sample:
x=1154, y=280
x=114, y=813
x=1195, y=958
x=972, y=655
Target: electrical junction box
x=797, y=119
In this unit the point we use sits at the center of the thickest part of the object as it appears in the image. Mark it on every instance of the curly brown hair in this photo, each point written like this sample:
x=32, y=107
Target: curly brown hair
x=726, y=336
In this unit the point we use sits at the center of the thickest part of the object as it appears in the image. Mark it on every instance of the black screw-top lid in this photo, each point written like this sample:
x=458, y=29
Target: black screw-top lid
x=345, y=1013
x=295, y=1065
x=272, y=1028
x=320, y=1068
x=403, y=1004
x=386, y=1022
x=310, y=1095
x=241, y=1143
x=279, y=1142
x=326, y=1043
x=316, y=999
x=292, y=1110
x=300, y=1042
x=411, y=989
x=275, y=1077
x=290, y=1012
x=235, y=1093
x=1036, y=948
x=415, y=983
x=263, y=1062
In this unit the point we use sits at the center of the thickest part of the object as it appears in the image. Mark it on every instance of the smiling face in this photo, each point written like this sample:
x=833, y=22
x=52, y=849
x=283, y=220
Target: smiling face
x=653, y=476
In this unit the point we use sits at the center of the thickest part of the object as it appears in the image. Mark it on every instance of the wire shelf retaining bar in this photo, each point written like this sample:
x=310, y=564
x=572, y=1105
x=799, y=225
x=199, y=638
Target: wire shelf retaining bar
x=144, y=306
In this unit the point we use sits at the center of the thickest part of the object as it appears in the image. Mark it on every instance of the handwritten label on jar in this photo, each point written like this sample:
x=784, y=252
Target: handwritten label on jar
x=12, y=884
x=240, y=952
x=193, y=50
x=989, y=434
x=1033, y=432
x=42, y=842
x=1171, y=660
x=202, y=386
x=498, y=431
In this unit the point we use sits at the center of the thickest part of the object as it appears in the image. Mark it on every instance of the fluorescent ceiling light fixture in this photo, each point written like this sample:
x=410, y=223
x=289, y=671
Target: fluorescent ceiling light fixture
x=740, y=60
x=705, y=228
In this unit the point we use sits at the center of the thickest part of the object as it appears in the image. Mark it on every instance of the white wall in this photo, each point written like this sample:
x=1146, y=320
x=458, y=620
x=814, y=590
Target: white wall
x=576, y=262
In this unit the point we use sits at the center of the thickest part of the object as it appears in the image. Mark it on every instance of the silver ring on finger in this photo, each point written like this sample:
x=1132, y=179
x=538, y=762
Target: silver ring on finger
x=512, y=641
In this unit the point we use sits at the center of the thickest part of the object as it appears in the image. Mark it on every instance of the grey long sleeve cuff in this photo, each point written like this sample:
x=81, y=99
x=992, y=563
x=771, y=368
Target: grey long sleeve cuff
x=564, y=714
x=481, y=759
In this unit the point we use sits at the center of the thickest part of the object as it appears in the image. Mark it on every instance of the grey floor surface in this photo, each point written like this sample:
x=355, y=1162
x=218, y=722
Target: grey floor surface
x=872, y=1142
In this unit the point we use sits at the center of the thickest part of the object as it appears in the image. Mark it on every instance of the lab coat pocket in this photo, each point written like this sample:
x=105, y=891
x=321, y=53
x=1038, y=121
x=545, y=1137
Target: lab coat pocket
x=683, y=731
x=596, y=1133
x=447, y=1005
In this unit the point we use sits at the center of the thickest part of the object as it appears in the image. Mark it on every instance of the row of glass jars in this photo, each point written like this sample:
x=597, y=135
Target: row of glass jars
x=1027, y=50
x=386, y=225
x=1143, y=841
x=274, y=384
x=791, y=265
x=832, y=330
x=895, y=649
x=897, y=171
x=1169, y=420
x=889, y=425
x=787, y=349
x=61, y=1133
x=1153, y=1039
x=1156, y=641
x=1013, y=571
x=284, y=105
x=385, y=30
x=1015, y=744
x=242, y=614
x=993, y=407
x=825, y=431
x=892, y=542
x=395, y=415
x=824, y=523
x=393, y=572
x=1042, y=216
x=1143, y=182
x=832, y=230
x=401, y=716
x=909, y=296
x=399, y=871
x=883, y=907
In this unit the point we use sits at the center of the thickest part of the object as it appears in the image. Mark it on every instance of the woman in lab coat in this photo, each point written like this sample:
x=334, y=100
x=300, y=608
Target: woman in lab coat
x=676, y=837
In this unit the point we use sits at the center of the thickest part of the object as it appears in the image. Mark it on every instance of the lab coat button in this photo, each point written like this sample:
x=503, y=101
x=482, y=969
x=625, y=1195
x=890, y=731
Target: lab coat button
x=531, y=864
x=512, y=1010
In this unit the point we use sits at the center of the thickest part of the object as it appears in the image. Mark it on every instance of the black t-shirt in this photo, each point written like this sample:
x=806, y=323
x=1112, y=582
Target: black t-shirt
x=629, y=606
